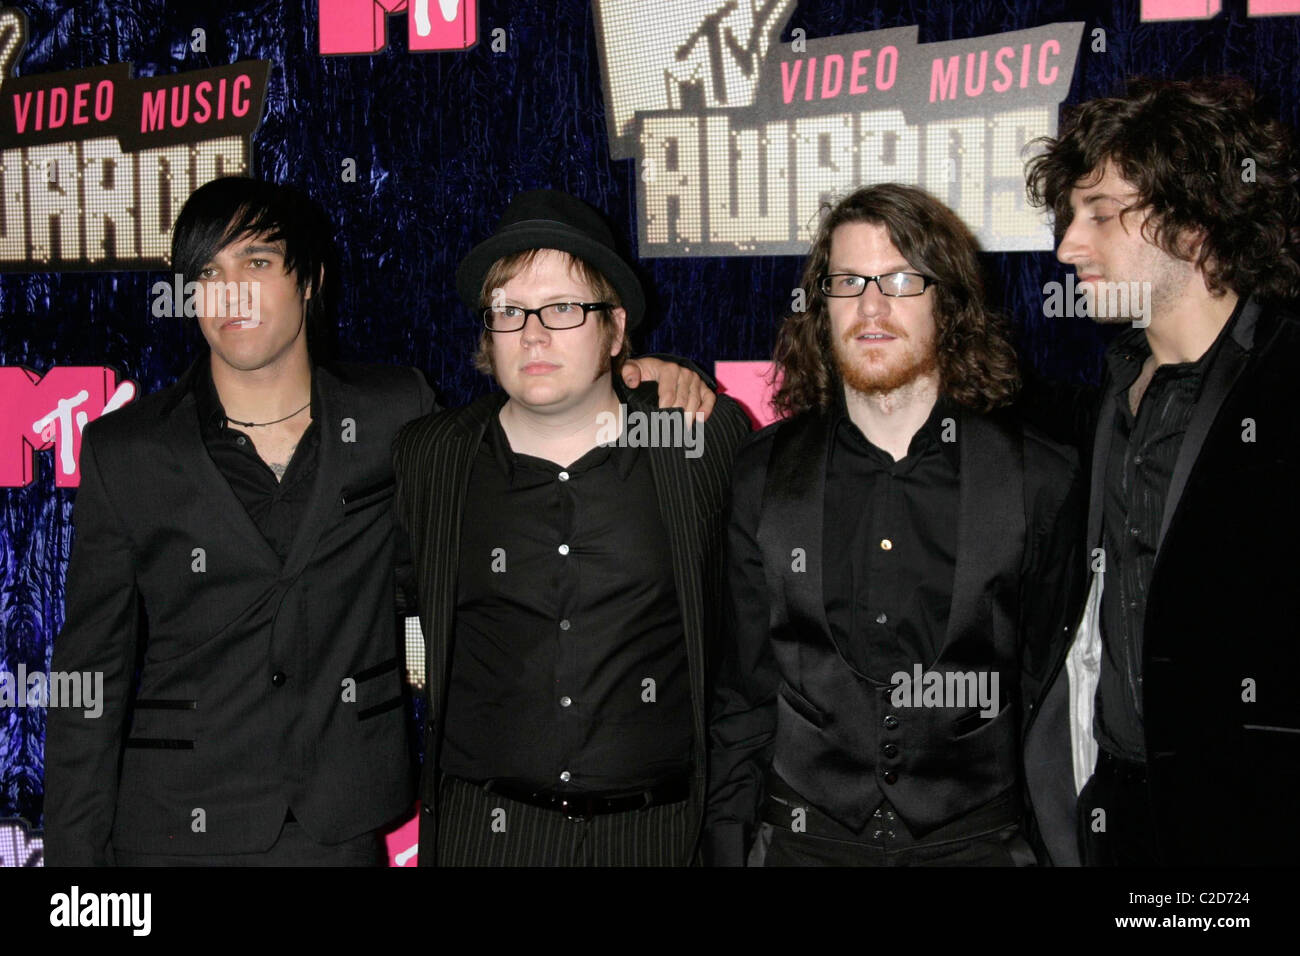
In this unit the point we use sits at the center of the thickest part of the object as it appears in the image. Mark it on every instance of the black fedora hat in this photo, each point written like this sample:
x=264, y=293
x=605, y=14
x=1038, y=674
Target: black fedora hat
x=549, y=219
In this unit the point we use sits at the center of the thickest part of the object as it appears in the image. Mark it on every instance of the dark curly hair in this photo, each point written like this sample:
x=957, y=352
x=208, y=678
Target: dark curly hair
x=977, y=365
x=1183, y=145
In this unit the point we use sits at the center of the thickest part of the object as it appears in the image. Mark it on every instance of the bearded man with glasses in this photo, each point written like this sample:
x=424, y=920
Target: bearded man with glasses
x=570, y=586
x=897, y=568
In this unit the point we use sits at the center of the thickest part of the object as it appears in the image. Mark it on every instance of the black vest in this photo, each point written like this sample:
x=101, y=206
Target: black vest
x=834, y=724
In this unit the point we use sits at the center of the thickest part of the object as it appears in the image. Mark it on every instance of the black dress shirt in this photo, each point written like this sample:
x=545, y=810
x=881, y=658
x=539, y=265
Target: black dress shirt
x=569, y=664
x=276, y=507
x=1143, y=452
x=891, y=543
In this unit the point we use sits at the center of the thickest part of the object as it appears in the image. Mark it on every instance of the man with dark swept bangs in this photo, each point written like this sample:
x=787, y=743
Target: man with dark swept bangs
x=898, y=564
x=1176, y=711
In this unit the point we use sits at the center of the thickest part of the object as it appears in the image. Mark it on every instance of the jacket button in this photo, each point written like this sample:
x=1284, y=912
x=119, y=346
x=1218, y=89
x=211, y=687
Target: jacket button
x=891, y=776
x=278, y=679
x=890, y=722
x=890, y=750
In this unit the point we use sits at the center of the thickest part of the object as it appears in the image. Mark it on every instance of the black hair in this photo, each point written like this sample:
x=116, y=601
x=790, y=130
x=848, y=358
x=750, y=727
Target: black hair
x=226, y=209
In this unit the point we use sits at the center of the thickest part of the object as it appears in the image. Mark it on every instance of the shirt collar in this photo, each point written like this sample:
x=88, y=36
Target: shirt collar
x=1129, y=351
x=929, y=436
x=506, y=458
x=212, y=414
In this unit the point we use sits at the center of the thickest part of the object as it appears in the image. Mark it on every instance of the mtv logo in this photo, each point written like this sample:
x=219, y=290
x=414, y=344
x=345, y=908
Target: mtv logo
x=17, y=847
x=681, y=54
x=752, y=384
x=403, y=842
x=351, y=27
x=51, y=412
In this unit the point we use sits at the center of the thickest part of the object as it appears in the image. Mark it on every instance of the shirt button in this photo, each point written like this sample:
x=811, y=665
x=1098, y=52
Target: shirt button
x=564, y=625
x=881, y=618
x=566, y=701
x=1134, y=532
x=241, y=440
x=565, y=776
x=1137, y=459
x=885, y=544
x=564, y=476
x=564, y=549
x=278, y=679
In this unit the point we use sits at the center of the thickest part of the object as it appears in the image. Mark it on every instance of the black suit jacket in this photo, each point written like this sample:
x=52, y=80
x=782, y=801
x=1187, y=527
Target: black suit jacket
x=786, y=697
x=1221, y=643
x=261, y=687
x=433, y=461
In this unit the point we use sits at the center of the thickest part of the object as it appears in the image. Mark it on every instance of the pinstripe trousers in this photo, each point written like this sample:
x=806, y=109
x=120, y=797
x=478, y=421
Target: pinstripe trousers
x=477, y=828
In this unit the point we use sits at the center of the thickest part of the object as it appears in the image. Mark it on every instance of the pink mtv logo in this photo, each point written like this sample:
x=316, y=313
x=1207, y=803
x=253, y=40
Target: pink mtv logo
x=403, y=843
x=51, y=412
x=1153, y=10
x=351, y=27
x=749, y=383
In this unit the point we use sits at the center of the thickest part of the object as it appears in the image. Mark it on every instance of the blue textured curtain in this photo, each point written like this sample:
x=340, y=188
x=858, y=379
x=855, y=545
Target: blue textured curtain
x=441, y=142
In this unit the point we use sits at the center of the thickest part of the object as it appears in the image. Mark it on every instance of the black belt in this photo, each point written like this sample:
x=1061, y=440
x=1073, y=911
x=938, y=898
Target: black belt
x=579, y=806
x=1117, y=768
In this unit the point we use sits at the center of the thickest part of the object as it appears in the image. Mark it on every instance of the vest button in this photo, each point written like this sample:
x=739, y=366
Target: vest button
x=890, y=721
x=890, y=750
x=277, y=679
x=891, y=776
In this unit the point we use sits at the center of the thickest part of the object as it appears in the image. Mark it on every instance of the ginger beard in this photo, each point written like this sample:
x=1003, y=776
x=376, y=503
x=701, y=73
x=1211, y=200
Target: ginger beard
x=876, y=369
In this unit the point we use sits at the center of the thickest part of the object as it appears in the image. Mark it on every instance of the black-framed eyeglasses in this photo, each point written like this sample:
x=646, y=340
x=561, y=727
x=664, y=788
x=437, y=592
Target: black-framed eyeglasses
x=846, y=285
x=557, y=315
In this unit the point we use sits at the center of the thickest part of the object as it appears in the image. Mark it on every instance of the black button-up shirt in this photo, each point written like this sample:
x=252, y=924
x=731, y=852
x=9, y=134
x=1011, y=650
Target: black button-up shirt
x=276, y=507
x=569, y=667
x=1140, y=466
x=891, y=543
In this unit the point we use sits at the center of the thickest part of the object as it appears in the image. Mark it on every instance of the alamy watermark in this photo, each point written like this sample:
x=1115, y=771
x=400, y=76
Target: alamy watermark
x=657, y=429
x=923, y=688
x=1098, y=300
x=74, y=689
x=179, y=299
x=131, y=911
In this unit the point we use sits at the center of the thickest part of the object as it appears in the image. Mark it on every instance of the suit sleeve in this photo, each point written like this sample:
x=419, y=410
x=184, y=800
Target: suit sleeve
x=743, y=721
x=408, y=594
x=1053, y=587
x=685, y=363
x=100, y=636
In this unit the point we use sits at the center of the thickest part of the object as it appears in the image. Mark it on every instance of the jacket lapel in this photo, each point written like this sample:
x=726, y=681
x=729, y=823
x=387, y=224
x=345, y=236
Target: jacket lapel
x=1223, y=374
x=338, y=401
x=449, y=463
x=212, y=491
x=794, y=498
x=1100, y=457
x=990, y=522
x=675, y=493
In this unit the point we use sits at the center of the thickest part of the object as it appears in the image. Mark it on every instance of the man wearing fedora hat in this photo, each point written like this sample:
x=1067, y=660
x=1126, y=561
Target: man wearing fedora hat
x=244, y=516
x=568, y=572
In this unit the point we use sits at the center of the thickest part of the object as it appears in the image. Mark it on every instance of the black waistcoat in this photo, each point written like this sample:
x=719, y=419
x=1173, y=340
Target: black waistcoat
x=834, y=723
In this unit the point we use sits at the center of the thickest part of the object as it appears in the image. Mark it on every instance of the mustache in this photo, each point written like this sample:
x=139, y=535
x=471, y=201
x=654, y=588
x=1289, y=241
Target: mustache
x=858, y=328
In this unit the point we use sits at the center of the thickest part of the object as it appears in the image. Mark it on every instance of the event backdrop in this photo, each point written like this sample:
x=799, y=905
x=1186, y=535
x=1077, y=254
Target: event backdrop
x=415, y=150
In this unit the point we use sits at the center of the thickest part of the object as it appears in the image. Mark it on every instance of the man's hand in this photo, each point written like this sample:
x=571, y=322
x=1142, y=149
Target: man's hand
x=678, y=387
